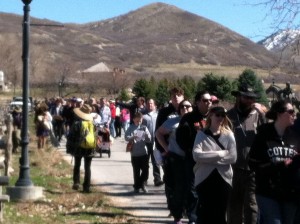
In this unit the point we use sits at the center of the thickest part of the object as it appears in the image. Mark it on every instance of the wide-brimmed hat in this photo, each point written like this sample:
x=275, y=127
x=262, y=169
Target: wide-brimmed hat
x=245, y=90
x=84, y=112
x=17, y=109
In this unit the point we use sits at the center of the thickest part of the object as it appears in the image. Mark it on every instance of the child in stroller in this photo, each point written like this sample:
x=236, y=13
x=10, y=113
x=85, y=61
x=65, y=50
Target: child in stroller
x=103, y=140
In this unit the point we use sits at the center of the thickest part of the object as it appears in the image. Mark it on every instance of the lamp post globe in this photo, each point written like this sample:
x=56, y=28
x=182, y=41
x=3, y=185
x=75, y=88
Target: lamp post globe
x=26, y=2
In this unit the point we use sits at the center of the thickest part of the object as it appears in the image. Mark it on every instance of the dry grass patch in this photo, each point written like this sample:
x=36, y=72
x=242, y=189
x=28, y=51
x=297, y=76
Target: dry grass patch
x=61, y=204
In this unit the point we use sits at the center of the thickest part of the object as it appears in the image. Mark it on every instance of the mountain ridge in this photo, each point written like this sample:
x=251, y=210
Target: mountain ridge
x=144, y=40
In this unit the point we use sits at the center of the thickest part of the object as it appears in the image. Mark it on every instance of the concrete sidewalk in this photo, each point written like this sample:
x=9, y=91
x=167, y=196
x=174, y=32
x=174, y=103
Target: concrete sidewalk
x=114, y=176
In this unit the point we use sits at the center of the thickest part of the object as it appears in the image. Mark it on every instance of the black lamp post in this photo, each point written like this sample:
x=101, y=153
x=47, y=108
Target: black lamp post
x=24, y=177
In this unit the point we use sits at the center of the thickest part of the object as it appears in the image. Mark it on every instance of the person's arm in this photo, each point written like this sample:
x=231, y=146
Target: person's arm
x=259, y=160
x=231, y=148
x=206, y=151
x=147, y=135
x=160, y=134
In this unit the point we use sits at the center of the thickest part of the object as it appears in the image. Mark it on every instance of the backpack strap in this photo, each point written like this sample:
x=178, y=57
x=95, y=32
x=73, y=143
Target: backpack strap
x=216, y=138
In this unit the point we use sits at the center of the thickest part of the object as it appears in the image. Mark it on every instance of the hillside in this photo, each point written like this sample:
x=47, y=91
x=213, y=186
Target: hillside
x=150, y=39
x=160, y=33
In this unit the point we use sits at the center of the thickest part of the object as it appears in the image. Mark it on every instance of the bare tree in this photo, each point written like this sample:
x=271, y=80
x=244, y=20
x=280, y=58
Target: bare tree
x=284, y=13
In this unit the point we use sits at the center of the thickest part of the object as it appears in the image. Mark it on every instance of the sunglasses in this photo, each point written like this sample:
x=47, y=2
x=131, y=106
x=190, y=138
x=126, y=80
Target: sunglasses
x=220, y=114
x=185, y=106
x=206, y=100
x=291, y=111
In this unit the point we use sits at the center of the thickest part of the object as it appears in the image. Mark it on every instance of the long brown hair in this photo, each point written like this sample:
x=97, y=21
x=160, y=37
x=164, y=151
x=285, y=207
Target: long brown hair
x=226, y=125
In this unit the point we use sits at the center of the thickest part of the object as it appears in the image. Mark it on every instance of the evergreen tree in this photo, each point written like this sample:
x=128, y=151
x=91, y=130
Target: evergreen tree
x=188, y=84
x=250, y=78
x=162, y=93
x=124, y=96
x=216, y=85
x=142, y=88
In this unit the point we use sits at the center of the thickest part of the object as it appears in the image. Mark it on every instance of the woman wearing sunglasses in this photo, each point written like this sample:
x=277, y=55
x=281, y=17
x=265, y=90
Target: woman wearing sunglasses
x=214, y=151
x=174, y=170
x=274, y=156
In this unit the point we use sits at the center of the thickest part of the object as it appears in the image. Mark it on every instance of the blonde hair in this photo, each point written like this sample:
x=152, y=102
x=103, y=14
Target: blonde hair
x=226, y=125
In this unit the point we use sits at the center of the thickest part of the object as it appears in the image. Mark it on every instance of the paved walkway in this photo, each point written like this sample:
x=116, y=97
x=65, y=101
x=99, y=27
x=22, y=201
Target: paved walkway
x=114, y=176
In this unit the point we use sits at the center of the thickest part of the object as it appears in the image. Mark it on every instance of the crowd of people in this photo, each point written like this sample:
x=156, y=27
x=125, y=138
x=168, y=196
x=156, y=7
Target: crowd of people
x=219, y=165
x=222, y=165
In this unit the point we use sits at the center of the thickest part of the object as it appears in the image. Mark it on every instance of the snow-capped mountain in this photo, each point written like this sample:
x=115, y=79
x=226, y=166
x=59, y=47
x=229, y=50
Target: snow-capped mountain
x=280, y=40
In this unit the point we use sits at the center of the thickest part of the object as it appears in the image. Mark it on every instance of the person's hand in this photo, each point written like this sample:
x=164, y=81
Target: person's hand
x=259, y=107
x=164, y=153
x=288, y=161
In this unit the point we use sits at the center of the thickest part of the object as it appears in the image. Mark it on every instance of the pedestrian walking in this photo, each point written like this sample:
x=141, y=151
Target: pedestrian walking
x=149, y=120
x=214, y=152
x=245, y=118
x=138, y=134
x=186, y=133
x=176, y=96
x=174, y=167
x=81, y=143
x=274, y=156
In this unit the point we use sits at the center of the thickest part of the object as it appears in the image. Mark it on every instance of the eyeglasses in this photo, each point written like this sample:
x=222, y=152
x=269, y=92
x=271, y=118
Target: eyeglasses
x=185, y=106
x=206, y=100
x=291, y=111
x=220, y=114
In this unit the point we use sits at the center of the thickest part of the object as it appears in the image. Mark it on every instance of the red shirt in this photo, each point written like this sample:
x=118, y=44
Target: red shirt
x=112, y=108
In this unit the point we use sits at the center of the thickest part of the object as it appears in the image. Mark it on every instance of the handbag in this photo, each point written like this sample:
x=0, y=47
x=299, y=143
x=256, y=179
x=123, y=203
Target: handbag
x=129, y=146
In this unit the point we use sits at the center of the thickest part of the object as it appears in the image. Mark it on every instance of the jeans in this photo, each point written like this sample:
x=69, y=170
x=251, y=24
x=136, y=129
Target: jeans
x=156, y=168
x=140, y=167
x=175, y=181
x=242, y=203
x=118, y=126
x=87, y=171
x=191, y=196
x=125, y=125
x=112, y=128
x=272, y=211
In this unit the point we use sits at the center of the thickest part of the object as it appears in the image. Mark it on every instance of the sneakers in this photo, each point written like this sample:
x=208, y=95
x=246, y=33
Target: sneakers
x=75, y=187
x=144, y=189
x=86, y=190
x=136, y=191
x=158, y=183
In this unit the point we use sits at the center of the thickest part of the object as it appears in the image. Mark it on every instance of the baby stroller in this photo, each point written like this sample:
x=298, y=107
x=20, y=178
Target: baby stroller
x=103, y=140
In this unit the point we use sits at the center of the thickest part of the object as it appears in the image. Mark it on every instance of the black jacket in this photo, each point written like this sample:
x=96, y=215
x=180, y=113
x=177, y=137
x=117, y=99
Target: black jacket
x=186, y=132
x=162, y=116
x=267, y=154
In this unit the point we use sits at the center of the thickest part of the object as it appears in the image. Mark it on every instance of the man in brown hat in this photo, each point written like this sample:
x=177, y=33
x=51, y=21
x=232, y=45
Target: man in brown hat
x=245, y=118
x=78, y=150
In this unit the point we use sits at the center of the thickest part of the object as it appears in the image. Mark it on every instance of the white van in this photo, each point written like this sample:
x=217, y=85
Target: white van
x=18, y=101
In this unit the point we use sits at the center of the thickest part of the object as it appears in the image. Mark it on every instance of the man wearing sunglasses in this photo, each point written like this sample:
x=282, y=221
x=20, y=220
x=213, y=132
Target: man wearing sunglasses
x=245, y=117
x=186, y=133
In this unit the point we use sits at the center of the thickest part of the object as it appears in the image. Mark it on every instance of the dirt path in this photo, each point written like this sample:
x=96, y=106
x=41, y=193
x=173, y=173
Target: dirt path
x=114, y=176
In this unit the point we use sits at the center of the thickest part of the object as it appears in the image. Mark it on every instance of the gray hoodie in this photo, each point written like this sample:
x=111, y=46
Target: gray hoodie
x=140, y=135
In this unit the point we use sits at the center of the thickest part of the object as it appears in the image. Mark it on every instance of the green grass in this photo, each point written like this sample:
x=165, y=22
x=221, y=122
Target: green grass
x=61, y=204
